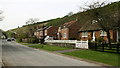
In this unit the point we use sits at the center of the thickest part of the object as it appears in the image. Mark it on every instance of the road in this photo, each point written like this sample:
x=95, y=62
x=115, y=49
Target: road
x=14, y=54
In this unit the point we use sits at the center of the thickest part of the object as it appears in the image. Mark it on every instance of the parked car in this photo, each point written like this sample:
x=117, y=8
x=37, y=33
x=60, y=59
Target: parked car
x=49, y=38
x=9, y=39
x=12, y=39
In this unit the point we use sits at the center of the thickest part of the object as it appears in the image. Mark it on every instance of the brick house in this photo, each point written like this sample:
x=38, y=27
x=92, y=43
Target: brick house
x=69, y=30
x=92, y=31
x=48, y=31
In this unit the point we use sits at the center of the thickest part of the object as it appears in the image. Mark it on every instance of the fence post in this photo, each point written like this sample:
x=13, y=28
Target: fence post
x=96, y=46
x=117, y=48
x=102, y=47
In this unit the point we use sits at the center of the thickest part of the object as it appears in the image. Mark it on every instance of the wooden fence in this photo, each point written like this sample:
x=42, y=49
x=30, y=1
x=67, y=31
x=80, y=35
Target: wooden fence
x=113, y=48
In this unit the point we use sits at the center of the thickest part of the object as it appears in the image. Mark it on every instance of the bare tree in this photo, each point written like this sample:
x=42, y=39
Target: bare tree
x=99, y=16
x=70, y=13
x=32, y=21
x=30, y=28
x=94, y=4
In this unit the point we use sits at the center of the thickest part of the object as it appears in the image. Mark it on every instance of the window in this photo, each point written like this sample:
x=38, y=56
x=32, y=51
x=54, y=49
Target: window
x=64, y=35
x=94, y=21
x=84, y=34
x=103, y=33
x=41, y=33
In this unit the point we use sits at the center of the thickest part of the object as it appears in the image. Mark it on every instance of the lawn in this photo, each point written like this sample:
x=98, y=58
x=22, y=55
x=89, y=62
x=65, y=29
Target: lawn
x=48, y=47
x=28, y=44
x=107, y=58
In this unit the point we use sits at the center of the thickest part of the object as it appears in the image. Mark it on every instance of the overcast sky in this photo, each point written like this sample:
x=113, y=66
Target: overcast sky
x=17, y=12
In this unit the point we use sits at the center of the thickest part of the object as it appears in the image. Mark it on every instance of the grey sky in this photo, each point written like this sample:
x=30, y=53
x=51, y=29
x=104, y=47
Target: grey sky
x=17, y=12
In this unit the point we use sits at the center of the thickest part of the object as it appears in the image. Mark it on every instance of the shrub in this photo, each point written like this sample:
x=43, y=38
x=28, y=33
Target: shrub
x=32, y=40
x=100, y=39
x=19, y=40
x=72, y=38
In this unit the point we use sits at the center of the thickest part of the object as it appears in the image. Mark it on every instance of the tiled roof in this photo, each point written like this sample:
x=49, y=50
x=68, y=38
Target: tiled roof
x=68, y=24
x=89, y=26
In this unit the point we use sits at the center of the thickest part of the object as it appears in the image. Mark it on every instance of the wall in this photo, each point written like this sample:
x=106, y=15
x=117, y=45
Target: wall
x=97, y=35
x=63, y=44
x=65, y=31
x=86, y=38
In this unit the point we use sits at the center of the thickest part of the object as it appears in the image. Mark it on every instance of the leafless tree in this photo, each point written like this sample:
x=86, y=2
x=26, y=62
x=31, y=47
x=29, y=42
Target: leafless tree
x=32, y=21
x=93, y=5
x=70, y=13
x=30, y=28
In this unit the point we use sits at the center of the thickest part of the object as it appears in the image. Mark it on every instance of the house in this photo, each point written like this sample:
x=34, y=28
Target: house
x=92, y=31
x=48, y=31
x=69, y=31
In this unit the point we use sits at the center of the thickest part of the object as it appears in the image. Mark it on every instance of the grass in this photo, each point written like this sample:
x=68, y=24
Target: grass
x=107, y=58
x=103, y=57
x=47, y=47
x=28, y=44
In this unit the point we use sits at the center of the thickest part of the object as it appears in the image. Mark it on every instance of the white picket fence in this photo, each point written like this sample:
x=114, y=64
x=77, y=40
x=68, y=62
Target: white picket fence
x=82, y=44
x=78, y=44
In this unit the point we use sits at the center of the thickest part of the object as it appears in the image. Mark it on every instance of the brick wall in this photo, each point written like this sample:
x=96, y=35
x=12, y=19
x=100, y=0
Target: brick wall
x=65, y=31
x=97, y=35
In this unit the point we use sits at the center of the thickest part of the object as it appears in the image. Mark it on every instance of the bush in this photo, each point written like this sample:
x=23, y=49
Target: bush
x=32, y=40
x=100, y=39
x=72, y=38
x=29, y=40
x=19, y=40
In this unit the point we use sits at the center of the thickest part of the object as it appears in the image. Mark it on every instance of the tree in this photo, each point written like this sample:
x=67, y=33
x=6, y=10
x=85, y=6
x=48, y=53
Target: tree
x=30, y=28
x=32, y=21
x=99, y=16
x=93, y=5
x=70, y=13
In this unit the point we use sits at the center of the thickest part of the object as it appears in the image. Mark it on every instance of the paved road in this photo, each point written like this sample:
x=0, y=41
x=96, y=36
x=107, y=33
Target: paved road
x=15, y=54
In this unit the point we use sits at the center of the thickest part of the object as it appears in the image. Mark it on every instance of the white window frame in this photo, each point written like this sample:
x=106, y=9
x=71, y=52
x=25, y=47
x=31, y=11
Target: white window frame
x=103, y=33
x=117, y=36
x=84, y=34
x=64, y=35
x=41, y=33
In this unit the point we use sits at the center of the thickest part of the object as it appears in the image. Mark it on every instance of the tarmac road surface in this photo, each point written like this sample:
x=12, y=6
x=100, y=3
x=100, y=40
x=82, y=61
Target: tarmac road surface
x=14, y=54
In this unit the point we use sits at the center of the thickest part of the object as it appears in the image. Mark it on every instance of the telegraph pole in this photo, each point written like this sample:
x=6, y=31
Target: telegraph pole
x=43, y=38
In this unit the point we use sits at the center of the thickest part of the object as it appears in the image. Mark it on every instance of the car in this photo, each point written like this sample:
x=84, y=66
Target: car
x=9, y=39
x=12, y=39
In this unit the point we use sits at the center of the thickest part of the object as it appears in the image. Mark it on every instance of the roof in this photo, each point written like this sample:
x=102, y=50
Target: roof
x=42, y=28
x=50, y=27
x=89, y=26
x=68, y=24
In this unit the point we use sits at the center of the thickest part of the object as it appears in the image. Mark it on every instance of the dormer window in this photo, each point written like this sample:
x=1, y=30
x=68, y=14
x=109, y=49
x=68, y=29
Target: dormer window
x=94, y=21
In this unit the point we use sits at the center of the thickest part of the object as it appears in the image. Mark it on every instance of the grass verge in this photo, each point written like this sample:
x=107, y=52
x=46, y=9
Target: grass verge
x=107, y=58
x=47, y=47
